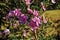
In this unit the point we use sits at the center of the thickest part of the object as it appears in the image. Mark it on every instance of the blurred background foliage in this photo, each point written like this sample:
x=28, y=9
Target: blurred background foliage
x=52, y=14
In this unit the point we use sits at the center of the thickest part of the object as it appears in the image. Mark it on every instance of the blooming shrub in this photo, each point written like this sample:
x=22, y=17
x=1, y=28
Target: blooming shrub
x=25, y=20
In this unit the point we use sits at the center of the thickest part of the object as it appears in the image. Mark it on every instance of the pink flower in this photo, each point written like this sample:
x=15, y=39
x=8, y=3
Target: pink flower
x=37, y=20
x=33, y=25
x=17, y=12
x=35, y=12
x=29, y=10
x=11, y=14
x=43, y=6
x=53, y=1
x=24, y=34
x=44, y=19
x=28, y=2
x=23, y=18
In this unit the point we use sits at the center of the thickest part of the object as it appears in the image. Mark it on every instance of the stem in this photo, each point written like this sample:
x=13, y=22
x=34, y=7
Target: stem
x=10, y=22
x=28, y=6
x=32, y=1
x=35, y=35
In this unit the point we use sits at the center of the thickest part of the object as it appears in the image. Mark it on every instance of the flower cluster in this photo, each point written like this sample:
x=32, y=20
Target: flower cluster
x=34, y=23
x=17, y=12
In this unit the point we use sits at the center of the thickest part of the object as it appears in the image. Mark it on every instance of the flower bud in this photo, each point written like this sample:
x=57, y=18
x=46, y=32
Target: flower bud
x=6, y=31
